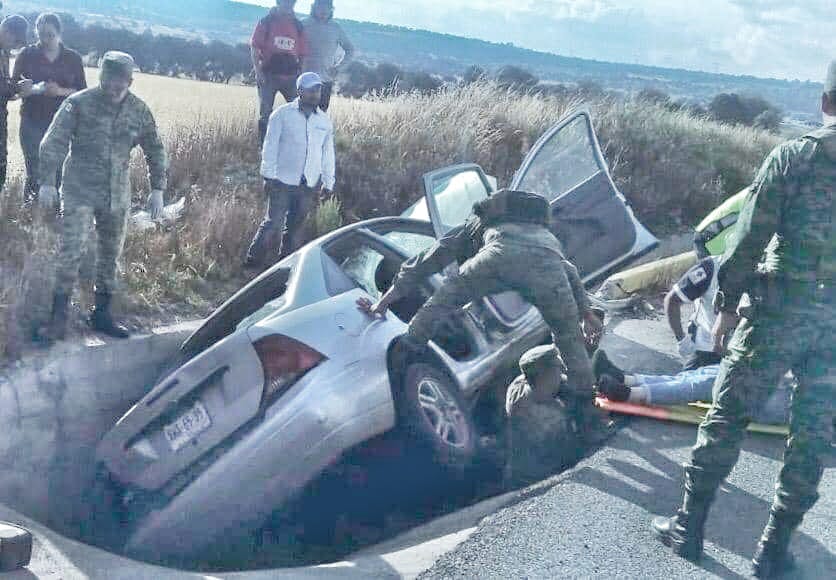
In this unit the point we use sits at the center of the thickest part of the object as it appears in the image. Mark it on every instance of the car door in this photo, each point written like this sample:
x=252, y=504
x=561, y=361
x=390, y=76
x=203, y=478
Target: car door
x=590, y=217
x=450, y=194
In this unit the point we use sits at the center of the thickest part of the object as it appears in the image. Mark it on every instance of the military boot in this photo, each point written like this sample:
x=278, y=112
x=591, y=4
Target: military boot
x=684, y=531
x=56, y=328
x=772, y=557
x=102, y=321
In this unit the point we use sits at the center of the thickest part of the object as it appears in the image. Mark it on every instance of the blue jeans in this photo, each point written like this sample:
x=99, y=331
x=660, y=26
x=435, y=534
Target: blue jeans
x=696, y=385
x=281, y=230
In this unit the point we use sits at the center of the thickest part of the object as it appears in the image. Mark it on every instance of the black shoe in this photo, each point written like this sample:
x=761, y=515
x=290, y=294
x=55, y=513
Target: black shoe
x=612, y=389
x=686, y=541
x=101, y=320
x=770, y=562
x=602, y=365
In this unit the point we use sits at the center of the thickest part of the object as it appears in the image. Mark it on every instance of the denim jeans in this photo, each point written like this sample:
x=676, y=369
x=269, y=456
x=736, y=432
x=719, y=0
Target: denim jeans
x=695, y=385
x=281, y=231
x=268, y=86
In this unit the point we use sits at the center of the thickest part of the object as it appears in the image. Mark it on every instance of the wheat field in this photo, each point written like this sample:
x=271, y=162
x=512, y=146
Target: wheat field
x=672, y=168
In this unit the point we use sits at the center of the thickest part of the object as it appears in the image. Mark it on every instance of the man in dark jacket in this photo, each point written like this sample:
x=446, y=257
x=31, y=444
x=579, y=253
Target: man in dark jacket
x=507, y=246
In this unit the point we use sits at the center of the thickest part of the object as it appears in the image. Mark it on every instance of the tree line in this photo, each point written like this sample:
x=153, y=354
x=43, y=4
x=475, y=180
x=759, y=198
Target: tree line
x=160, y=54
x=216, y=61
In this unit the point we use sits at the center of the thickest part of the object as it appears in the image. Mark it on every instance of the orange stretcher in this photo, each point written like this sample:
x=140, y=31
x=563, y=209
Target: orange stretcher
x=692, y=414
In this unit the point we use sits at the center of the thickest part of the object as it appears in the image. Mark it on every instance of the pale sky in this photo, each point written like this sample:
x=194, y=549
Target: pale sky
x=767, y=38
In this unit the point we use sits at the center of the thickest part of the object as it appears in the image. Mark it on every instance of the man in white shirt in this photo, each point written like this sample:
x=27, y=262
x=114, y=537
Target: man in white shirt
x=297, y=163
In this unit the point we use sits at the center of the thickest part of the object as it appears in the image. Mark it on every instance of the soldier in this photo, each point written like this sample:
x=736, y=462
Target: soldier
x=790, y=324
x=99, y=127
x=540, y=436
x=506, y=245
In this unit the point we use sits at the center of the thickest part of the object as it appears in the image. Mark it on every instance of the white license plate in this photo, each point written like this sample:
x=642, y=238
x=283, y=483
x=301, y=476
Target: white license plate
x=187, y=426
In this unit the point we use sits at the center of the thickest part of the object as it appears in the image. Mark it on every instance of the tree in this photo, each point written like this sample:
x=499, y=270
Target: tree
x=516, y=78
x=653, y=95
x=473, y=74
x=745, y=110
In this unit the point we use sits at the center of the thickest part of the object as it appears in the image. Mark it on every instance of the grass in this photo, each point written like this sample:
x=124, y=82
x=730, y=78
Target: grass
x=673, y=169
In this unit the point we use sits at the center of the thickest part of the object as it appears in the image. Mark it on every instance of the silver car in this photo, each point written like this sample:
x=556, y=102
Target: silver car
x=288, y=374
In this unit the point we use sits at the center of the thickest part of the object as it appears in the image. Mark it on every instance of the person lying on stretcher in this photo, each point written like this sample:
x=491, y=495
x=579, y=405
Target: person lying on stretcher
x=701, y=362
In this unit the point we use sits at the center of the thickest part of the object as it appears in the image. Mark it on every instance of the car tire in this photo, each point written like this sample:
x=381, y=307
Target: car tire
x=435, y=418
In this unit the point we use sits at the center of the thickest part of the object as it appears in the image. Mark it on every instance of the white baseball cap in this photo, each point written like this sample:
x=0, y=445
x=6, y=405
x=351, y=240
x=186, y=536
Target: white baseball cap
x=307, y=81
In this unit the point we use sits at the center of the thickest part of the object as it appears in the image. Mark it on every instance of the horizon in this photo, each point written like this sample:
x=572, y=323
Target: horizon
x=765, y=39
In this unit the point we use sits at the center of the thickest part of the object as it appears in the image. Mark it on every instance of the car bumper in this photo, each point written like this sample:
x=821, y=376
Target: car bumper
x=309, y=428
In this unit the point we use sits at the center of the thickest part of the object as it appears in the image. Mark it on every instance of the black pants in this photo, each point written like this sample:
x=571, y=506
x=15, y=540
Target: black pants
x=281, y=232
x=268, y=86
x=327, y=89
x=700, y=359
x=32, y=131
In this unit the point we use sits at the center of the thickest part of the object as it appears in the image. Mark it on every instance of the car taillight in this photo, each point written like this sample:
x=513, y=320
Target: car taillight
x=284, y=361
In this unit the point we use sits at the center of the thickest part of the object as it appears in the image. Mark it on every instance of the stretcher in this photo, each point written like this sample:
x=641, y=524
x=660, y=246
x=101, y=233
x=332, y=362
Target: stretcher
x=692, y=414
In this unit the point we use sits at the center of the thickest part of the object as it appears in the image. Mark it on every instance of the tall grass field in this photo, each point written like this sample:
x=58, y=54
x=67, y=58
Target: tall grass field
x=672, y=168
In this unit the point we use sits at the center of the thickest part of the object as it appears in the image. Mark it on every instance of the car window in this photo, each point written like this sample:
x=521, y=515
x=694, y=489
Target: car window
x=455, y=195
x=361, y=264
x=409, y=243
x=564, y=162
x=418, y=211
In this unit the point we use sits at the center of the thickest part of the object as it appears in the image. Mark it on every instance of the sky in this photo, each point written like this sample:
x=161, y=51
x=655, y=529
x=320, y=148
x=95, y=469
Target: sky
x=767, y=38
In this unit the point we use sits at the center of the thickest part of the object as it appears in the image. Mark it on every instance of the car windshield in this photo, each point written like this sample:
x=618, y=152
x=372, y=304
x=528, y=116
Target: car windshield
x=564, y=162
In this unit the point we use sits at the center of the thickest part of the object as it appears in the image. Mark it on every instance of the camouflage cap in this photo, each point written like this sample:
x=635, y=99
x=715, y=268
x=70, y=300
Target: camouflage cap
x=830, y=81
x=118, y=63
x=540, y=359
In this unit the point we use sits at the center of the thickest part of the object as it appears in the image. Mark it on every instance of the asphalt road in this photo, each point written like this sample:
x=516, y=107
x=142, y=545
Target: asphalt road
x=593, y=521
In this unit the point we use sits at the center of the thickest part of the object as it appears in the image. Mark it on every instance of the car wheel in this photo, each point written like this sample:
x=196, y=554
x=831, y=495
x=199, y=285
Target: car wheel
x=434, y=415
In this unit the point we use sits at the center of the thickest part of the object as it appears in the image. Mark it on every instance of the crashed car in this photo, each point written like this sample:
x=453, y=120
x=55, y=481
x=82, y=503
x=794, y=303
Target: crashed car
x=288, y=375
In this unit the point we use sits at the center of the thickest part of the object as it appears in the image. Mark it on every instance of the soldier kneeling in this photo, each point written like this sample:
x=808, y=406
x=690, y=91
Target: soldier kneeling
x=541, y=436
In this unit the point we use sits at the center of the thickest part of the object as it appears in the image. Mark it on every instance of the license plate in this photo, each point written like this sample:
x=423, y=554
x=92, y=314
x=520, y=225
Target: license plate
x=187, y=426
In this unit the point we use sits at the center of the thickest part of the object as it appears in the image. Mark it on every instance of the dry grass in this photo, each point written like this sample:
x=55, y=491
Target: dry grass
x=672, y=168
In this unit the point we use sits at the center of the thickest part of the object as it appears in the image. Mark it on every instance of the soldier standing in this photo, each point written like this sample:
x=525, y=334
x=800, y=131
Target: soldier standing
x=506, y=246
x=787, y=225
x=98, y=127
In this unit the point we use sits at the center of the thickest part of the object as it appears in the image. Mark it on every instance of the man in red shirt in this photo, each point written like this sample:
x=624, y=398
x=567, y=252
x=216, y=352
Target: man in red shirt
x=277, y=47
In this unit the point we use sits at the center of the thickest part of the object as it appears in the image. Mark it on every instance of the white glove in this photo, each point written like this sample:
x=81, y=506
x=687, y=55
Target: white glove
x=686, y=347
x=156, y=204
x=48, y=196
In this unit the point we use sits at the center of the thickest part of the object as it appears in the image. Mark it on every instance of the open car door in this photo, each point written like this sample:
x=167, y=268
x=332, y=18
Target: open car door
x=590, y=216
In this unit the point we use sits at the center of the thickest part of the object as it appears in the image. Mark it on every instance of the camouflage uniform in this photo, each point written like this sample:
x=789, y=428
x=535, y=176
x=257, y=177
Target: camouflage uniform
x=525, y=258
x=99, y=135
x=540, y=438
x=786, y=224
x=506, y=246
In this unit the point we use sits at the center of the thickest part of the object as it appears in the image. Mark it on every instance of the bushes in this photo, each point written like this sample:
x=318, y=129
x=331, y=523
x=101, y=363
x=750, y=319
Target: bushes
x=671, y=166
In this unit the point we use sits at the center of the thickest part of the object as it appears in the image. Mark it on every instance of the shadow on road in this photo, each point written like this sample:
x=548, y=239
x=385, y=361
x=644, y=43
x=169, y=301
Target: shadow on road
x=736, y=520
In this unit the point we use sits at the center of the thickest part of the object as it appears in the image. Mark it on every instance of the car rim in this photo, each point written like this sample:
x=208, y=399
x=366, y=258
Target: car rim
x=443, y=413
